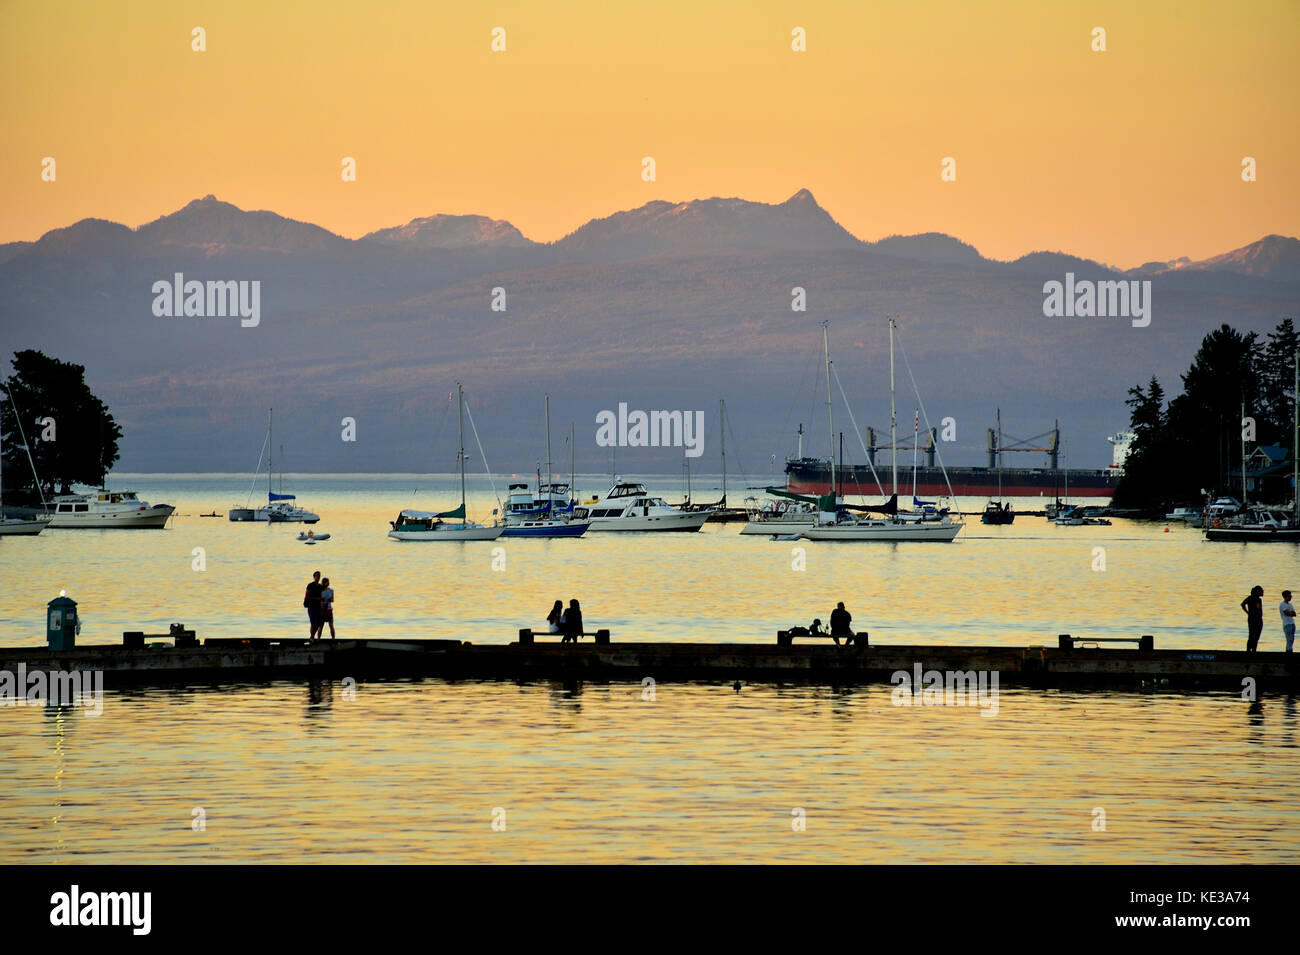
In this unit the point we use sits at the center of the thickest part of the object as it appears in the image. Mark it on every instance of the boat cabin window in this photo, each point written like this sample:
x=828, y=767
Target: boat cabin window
x=81, y=507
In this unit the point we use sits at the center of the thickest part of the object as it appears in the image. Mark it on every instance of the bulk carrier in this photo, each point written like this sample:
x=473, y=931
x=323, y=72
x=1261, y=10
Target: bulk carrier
x=806, y=475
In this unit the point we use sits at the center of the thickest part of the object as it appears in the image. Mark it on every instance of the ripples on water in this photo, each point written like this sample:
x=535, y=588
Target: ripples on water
x=411, y=771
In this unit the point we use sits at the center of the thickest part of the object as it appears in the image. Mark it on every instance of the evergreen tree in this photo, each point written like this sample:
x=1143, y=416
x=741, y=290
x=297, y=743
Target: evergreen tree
x=72, y=436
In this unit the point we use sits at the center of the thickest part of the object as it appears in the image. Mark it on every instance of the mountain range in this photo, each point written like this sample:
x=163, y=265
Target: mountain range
x=669, y=305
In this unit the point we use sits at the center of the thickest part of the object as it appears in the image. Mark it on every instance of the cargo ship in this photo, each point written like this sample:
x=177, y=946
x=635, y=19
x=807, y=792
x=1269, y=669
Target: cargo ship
x=806, y=475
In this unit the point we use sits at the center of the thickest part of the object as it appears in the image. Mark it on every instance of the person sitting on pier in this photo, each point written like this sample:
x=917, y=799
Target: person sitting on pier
x=571, y=623
x=840, y=620
x=816, y=629
x=554, y=618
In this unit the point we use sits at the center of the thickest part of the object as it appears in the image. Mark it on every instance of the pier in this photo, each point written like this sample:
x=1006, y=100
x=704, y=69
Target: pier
x=228, y=661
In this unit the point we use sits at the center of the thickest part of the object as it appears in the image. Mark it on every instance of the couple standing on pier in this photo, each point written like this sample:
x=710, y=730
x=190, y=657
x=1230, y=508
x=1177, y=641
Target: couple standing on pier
x=1253, y=605
x=319, y=601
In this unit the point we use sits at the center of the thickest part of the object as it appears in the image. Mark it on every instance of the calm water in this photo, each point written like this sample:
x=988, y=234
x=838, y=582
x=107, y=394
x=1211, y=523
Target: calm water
x=412, y=771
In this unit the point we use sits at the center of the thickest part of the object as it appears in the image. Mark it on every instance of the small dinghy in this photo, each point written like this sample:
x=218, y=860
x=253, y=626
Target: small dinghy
x=311, y=537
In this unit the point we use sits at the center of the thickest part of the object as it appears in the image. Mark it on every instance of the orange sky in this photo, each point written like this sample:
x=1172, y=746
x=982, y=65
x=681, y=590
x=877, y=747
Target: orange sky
x=1124, y=156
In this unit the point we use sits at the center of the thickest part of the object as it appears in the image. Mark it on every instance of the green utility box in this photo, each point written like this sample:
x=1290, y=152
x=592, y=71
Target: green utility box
x=61, y=623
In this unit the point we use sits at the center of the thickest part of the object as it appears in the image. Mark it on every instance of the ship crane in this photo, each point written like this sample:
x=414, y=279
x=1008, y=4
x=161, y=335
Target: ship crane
x=1051, y=449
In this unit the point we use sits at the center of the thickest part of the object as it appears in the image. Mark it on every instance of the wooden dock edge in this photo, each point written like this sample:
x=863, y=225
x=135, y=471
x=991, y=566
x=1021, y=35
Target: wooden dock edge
x=226, y=662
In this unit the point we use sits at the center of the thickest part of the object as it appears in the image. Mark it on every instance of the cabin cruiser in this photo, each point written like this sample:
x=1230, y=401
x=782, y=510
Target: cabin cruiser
x=628, y=506
x=108, y=509
x=1256, y=524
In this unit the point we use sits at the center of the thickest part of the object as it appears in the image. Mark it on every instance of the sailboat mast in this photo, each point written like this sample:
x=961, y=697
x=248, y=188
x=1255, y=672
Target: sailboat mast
x=722, y=425
x=916, y=440
x=830, y=420
x=548, y=454
x=270, y=450
x=999, y=455
x=1244, y=501
x=573, y=458
x=893, y=416
x=460, y=432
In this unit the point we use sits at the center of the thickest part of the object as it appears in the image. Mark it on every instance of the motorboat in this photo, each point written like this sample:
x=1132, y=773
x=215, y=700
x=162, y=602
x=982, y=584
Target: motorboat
x=108, y=509
x=1258, y=524
x=628, y=506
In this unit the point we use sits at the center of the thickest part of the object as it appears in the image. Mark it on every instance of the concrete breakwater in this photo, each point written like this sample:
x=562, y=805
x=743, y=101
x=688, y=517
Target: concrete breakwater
x=260, y=660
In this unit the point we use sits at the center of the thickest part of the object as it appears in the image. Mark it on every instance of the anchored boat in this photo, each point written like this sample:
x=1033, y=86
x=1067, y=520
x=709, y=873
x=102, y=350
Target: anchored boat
x=447, y=525
x=836, y=523
x=628, y=506
x=108, y=509
x=279, y=508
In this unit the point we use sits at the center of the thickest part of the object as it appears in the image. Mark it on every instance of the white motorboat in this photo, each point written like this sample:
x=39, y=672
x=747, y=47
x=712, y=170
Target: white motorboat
x=447, y=525
x=108, y=509
x=628, y=506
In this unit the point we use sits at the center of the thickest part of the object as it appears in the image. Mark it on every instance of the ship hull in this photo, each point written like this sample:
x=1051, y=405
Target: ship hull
x=856, y=479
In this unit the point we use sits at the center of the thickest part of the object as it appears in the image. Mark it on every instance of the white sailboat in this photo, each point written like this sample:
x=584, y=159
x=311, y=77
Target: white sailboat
x=834, y=526
x=279, y=508
x=21, y=526
x=448, y=525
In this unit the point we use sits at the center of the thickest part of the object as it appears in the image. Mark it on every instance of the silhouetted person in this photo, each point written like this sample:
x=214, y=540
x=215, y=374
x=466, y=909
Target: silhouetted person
x=816, y=629
x=326, y=607
x=1254, y=608
x=1287, y=610
x=571, y=624
x=311, y=600
x=840, y=621
x=554, y=617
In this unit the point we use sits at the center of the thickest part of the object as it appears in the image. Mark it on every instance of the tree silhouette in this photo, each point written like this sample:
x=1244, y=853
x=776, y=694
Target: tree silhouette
x=78, y=444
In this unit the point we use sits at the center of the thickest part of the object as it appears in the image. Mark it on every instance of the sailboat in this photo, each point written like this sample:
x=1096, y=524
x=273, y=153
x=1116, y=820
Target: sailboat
x=998, y=511
x=833, y=525
x=14, y=526
x=428, y=526
x=279, y=508
x=526, y=516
